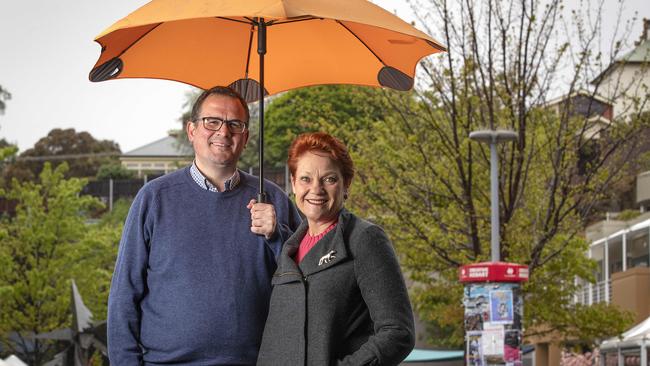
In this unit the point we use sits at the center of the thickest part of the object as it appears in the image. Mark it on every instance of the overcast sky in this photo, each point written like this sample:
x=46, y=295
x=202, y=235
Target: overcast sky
x=47, y=50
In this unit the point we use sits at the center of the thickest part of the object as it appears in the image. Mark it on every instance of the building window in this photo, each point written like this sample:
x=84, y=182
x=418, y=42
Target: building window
x=597, y=292
x=598, y=255
x=637, y=249
x=615, y=255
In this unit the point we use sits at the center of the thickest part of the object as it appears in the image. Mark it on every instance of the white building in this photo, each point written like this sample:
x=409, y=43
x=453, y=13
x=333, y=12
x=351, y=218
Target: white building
x=627, y=80
x=159, y=157
x=622, y=253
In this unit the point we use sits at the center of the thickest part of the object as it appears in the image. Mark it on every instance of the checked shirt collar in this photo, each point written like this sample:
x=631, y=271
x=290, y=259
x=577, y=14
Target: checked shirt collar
x=204, y=183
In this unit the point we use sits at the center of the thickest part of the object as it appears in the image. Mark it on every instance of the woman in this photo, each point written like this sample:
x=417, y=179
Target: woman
x=338, y=293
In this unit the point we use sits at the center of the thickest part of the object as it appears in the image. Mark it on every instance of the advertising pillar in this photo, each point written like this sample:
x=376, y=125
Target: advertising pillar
x=493, y=312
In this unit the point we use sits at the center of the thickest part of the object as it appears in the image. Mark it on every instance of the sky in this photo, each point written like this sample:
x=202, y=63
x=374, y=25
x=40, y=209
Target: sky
x=47, y=51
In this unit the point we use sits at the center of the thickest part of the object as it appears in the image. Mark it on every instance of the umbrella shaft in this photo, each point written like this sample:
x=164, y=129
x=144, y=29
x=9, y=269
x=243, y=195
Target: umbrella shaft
x=261, y=50
x=261, y=37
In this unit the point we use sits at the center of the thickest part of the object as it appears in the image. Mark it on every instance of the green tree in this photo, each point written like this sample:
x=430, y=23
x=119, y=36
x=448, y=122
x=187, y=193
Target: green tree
x=114, y=171
x=4, y=96
x=83, y=153
x=45, y=244
x=428, y=184
x=181, y=132
x=117, y=216
x=338, y=109
x=8, y=152
x=250, y=156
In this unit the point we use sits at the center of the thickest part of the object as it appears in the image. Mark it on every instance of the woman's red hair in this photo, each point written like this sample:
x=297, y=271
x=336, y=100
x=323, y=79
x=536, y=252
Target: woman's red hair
x=321, y=141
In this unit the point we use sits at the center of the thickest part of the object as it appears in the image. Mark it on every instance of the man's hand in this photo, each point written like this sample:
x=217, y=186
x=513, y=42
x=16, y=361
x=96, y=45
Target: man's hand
x=262, y=218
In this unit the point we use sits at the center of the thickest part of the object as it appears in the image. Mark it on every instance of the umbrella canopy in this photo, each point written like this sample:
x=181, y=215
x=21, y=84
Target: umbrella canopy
x=210, y=42
x=299, y=43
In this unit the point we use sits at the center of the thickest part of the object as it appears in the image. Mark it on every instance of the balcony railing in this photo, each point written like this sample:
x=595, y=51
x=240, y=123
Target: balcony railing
x=594, y=293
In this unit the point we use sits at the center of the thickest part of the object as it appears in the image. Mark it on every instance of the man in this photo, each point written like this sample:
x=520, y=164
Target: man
x=192, y=280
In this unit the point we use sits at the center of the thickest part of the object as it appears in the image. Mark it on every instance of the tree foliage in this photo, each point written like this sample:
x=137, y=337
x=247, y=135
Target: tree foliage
x=83, y=153
x=431, y=186
x=114, y=171
x=7, y=153
x=339, y=109
x=45, y=244
x=4, y=96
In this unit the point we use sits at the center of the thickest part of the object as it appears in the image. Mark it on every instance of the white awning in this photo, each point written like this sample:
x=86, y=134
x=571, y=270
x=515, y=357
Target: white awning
x=634, y=337
x=12, y=361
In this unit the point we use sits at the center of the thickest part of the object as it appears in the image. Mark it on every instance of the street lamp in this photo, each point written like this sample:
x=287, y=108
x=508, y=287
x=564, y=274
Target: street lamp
x=493, y=137
x=494, y=305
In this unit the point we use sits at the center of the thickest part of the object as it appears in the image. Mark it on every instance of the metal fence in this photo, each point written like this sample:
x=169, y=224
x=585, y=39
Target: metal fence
x=111, y=190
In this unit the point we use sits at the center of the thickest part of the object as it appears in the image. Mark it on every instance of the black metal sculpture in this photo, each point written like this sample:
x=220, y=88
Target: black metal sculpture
x=83, y=337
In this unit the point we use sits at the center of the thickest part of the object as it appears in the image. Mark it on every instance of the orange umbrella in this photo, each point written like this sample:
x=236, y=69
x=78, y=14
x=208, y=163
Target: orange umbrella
x=310, y=42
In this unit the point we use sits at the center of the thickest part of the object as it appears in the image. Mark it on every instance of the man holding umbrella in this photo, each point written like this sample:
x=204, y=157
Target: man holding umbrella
x=192, y=279
x=196, y=298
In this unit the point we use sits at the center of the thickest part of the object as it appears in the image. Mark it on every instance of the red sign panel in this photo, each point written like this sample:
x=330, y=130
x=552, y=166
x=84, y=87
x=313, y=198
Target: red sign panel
x=493, y=272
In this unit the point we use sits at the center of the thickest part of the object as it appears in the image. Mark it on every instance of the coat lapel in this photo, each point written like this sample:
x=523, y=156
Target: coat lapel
x=288, y=270
x=330, y=250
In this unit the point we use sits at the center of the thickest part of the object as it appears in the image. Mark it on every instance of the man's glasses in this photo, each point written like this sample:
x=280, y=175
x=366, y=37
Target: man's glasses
x=215, y=123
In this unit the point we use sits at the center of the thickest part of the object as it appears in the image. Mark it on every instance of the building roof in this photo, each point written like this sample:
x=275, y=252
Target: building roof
x=168, y=146
x=577, y=93
x=640, y=53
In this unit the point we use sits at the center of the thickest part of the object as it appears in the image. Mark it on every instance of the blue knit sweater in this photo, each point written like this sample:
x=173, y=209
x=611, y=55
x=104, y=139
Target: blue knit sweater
x=192, y=283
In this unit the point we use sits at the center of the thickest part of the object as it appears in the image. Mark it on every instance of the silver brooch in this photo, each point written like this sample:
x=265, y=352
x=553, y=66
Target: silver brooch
x=327, y=258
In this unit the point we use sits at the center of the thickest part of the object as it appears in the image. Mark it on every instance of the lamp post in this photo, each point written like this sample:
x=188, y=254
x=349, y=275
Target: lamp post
x=492, y=295
x=493, y=137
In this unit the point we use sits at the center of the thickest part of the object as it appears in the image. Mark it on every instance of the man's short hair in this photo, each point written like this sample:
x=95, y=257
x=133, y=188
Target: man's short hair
x=218, y=90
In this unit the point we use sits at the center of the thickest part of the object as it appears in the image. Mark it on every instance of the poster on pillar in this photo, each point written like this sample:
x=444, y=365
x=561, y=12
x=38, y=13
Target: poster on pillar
x=474, y=349
x=493, y=313
x=501, y=307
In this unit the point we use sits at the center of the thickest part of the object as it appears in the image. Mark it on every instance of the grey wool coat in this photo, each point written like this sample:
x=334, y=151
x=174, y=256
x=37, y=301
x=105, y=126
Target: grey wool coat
x=345, y=304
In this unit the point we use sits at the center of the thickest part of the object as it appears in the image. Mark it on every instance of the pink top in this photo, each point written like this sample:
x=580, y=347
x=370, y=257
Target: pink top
x=309, y=241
